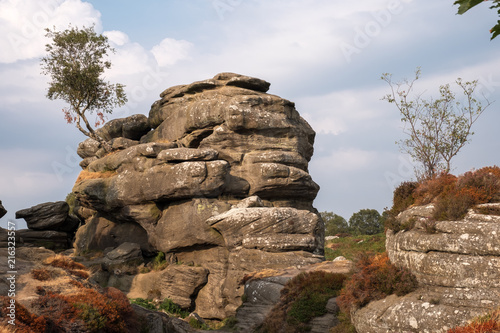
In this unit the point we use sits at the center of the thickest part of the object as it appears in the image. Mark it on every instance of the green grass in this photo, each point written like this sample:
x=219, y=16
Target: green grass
x=349, y=247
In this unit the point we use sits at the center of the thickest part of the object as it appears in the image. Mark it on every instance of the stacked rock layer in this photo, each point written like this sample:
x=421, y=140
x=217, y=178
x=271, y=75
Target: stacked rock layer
x=457, y=265
x=216, y=178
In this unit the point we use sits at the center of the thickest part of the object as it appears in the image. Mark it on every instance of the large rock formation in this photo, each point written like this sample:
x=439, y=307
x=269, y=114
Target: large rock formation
x=216, y=178
x=457, y=265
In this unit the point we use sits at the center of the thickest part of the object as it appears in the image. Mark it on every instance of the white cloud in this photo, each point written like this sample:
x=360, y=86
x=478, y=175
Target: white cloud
x=170, y=51
x=22, y=23
x=349, y=159
x=341, y=111
x=117, y=37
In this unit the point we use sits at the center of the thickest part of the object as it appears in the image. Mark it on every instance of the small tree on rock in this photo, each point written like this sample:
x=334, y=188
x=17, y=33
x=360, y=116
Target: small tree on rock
x=437, y=128
x=76, y=62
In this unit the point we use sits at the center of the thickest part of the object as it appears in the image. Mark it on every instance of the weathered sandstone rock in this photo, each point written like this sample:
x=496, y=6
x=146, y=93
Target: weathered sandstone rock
x=457, y=265
x=218, y=180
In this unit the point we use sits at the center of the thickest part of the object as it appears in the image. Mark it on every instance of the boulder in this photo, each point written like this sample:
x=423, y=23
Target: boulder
x=49, y=216
x=133, y=128
x=182, y=225
x=88, y=148
x=270, y=229
x=3, y=211
x=125, y=252
x=160, y=322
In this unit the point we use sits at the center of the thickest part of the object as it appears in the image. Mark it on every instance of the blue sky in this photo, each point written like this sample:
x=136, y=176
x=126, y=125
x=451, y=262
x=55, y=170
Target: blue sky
x=326, y=56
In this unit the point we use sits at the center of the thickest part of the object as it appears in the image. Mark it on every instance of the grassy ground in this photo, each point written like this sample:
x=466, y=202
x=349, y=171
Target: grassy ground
x=350, y=246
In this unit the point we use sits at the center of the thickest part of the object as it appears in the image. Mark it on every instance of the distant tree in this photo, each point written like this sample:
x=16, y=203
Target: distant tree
x=436, y=129
x=76, y=62
x=465, y=5
x=366, y=222
x=334, y=224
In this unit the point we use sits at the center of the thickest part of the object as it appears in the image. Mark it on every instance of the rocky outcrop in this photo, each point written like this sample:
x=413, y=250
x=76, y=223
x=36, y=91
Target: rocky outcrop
x=457, y=265
x=216, y=177
x=3, y=211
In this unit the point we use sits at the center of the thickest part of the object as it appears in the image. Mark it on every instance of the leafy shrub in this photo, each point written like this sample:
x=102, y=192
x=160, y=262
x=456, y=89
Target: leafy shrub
x=303, y=298
x=170, y=307
x=489, y=323
x=403, y=196
x=71, y=201
x=159, y=262
x=167, y=306
x=375, y=278
x=144, y=303
x=195, y=323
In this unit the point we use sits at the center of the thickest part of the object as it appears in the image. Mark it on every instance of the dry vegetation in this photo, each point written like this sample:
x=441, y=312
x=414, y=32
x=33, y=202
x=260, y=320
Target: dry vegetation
x=489, y=323
x=452, y=196
x=67, y=302
x=375, y=278
x=85, y=175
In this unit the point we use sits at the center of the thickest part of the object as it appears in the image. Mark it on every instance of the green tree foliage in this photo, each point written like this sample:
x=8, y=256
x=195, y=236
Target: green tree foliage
x=366, y=222
x=436, y=129
x=334, y=224
x=76, y=62
x=465, y=5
